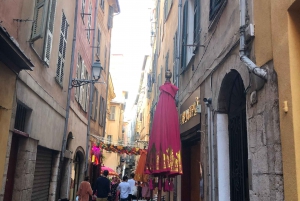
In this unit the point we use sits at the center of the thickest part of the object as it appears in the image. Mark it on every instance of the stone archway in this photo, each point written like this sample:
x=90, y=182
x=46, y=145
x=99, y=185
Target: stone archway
x=77, y=172
x=232, y=141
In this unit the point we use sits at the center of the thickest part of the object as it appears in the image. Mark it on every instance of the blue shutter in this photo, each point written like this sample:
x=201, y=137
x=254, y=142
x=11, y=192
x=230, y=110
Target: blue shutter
x=184, y=35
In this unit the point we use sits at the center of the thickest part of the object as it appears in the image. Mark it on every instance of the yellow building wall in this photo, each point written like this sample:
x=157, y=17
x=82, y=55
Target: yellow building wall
x=277, y=27
x=7, y=91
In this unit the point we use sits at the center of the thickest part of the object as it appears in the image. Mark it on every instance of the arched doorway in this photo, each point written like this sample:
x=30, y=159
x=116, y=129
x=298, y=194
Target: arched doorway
x=77, y=172
x=232, y=100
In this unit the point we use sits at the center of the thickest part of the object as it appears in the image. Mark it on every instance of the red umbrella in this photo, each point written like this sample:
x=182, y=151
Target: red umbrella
x=164, y=157
x=110, y=171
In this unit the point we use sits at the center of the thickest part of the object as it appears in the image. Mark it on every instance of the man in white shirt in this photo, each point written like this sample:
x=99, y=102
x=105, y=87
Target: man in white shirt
x=124, y=189
x=132, y=194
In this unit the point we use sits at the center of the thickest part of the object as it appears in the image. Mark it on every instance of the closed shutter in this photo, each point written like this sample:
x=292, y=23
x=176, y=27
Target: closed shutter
x=49, y=32
x=42, y=175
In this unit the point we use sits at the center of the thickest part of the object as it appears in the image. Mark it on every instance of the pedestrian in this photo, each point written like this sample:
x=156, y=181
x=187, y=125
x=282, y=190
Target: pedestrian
x=124, y=189
x=131, y=181
x=146, y=191
x=102, y=187
x=85, y=191
x=113, y=191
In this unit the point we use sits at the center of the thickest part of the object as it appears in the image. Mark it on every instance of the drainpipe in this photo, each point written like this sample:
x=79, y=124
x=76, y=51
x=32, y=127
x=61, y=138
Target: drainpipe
x=91, y=98
x=252, y=67
x=209, y=152
x=69, y=94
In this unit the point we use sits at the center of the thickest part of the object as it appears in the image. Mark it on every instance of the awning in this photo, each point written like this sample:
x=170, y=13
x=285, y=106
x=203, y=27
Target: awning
x=11, y=54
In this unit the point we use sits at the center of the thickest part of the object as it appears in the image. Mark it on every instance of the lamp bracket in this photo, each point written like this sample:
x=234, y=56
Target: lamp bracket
x=80, y=82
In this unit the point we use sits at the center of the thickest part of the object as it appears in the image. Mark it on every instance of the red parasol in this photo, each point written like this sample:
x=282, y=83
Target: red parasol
x=110, y=171
x=164, y=157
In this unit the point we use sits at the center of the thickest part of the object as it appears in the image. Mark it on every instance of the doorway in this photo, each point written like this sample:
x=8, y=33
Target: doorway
x=76, y=176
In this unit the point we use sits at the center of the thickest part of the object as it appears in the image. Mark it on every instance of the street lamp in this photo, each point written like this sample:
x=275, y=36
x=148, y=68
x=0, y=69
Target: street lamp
x=96, y=72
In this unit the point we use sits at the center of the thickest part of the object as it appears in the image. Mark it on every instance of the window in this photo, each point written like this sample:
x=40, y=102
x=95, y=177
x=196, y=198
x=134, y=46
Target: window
x=95, y=104
x=102, y=2
x=78, y=76
x=102, y=111
x=43, y=25
x=62, y=50
x=109, y=139
x=215, y=6
x=184, y=35
x=112, y=112
x=167, y=62
x=196, y=22
x=110, y=17
x=174, y=57
x=167, y=8
x=105, y=59
x=98, y=43
x=82, y=89
x=89, y=23
x=87, y=91
x=22, y=116
x=82, y=9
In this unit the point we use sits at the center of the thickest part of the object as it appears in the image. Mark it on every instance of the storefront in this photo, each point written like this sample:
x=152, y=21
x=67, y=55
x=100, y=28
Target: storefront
x=190, y=126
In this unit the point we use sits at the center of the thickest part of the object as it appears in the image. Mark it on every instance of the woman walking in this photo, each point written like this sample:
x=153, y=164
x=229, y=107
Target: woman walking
x=113, y=189
x=85, y=190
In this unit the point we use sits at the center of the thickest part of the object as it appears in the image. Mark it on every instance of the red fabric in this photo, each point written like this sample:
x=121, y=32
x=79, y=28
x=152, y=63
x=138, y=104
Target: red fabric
x=164, y=135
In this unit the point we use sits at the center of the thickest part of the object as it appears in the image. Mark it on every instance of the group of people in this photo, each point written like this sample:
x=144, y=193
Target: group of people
x=106, y=190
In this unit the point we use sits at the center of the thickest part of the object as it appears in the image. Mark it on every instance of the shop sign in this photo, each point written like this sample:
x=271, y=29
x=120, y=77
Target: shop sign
x=186, y=115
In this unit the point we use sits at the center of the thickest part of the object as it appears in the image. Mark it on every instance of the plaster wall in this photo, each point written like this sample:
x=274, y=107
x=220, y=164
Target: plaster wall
x=285, y=42
x=7, y=94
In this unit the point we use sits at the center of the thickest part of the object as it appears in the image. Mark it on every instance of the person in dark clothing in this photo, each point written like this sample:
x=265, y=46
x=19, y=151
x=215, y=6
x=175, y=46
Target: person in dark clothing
x=102, y=187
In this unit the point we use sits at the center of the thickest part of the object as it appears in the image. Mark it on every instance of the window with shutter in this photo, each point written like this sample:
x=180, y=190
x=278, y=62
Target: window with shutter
x=62, y=50
x=184, y=35
x=104, y=111
x=174, y=56
x=102, y=3
x=196, y=22
x=82, y=89
x=82, y=9
x=215, y=6
x=96, y=105
x=112, y=112
x=109, y=139
x=98, y=43
x=110, y=17
x=78, y=75
x=167, y=61
x=87, y=93
x=89, y=22
x=105, y=59
x=100, y=110
x=39, y=19
x=49, y=32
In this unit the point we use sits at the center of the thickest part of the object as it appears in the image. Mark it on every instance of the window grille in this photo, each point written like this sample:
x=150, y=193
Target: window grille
x=21, y=115
x=105, y=59
x=109, y=139
x=167, y=61
x=62, y=50
x=110, y=17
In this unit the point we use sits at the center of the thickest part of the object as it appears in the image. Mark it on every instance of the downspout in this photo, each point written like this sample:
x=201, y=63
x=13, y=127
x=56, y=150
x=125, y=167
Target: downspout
x=252, y=67
x=69, y=97
x=209, y=152
x=177, y=83
x=211, y=122
x=91, y=98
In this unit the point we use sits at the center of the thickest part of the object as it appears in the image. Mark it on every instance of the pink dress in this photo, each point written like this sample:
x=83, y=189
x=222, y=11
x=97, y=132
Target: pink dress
x=146, y=190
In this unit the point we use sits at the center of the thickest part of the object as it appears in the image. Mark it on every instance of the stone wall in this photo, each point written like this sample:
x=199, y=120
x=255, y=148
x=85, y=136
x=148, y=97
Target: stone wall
x=25, y=168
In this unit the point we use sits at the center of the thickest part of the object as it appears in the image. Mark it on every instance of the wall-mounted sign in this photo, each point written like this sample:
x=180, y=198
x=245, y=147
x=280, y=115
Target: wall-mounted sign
x=186, y=115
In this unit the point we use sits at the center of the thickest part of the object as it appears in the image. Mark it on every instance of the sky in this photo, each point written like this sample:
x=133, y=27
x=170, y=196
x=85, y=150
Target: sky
x=131, y=38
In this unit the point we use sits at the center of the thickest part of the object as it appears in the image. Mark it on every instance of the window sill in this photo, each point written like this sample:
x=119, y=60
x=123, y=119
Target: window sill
x=216, y=18
x=59, y=83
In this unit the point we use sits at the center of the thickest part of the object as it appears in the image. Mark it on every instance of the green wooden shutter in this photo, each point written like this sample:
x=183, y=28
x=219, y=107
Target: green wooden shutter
x=40, y=15
x=49, y=32
x=184, y=35
x=77, y=90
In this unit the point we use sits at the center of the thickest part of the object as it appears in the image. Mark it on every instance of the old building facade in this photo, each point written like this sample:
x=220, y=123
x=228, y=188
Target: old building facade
x=231, y=142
